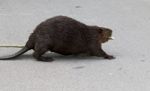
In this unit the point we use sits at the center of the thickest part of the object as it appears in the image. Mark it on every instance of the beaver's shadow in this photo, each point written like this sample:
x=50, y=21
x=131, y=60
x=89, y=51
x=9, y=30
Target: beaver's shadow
x=60, y=57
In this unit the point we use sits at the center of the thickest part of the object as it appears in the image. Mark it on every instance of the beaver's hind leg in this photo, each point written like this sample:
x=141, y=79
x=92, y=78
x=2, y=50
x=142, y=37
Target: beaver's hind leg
x=39, y=50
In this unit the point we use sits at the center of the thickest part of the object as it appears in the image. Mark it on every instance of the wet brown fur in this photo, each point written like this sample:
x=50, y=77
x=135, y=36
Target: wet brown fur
x=67, y=36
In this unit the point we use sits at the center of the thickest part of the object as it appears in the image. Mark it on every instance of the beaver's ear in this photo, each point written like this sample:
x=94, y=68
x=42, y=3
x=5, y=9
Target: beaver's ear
x=100, y=30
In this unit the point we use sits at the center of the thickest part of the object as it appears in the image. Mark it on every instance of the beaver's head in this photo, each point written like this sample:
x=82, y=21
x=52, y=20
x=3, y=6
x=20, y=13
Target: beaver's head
x=105, y=34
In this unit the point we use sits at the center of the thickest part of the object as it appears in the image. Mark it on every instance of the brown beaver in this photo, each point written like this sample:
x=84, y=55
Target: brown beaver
x=66, y=36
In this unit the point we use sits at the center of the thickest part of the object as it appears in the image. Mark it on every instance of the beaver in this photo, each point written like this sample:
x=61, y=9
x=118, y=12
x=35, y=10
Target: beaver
x=66, y=36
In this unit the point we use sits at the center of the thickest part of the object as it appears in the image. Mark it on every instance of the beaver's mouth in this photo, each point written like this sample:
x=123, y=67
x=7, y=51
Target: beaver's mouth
x=111, y=38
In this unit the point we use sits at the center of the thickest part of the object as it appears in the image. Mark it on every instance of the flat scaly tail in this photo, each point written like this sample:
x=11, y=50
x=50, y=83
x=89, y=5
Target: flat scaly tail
x=20, y=52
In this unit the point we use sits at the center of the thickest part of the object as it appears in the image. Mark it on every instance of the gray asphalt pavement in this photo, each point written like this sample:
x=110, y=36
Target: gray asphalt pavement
x=130, y=71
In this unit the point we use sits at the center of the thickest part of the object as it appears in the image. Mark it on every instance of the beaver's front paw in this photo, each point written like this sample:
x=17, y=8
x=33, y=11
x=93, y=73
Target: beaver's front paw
x=109, y=57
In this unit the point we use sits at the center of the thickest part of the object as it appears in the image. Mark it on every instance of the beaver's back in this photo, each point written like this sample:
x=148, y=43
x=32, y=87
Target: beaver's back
x=65, y=34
